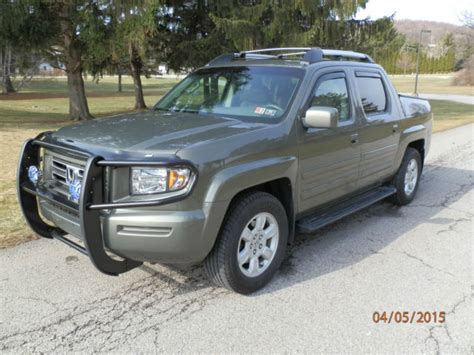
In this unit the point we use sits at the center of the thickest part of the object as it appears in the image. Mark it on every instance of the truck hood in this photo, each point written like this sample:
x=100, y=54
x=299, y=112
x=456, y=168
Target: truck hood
x=151, y=131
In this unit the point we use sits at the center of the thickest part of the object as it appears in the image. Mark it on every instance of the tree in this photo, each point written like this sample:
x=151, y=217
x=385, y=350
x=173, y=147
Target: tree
x=267, y=23
x=69, y=34
x=406, y=61
x=11, y=26
x=187, y=37
x=22, y=33
x=467, y=18
x=76, y=44
x=326, y=24
x=134, y=27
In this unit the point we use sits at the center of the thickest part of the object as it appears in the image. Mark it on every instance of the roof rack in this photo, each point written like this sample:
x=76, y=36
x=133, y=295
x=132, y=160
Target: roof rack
x=310, y=55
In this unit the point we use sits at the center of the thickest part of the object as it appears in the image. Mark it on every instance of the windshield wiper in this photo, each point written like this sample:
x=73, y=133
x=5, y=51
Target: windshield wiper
x=175, y=110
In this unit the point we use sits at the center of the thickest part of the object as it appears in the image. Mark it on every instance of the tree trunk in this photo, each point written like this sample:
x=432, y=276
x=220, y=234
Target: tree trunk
x=2, y=69
x=136, y=68
x=119, y=72
x=5, y=69
x=8, y=81
x=8, y=85
x=78, y=107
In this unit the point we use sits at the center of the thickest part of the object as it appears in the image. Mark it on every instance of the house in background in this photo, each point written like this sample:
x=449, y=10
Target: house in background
x=47, y=69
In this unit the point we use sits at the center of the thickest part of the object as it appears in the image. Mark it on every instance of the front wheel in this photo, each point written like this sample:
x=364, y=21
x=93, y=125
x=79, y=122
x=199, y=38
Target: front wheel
x=251, y=245
x=408, y=178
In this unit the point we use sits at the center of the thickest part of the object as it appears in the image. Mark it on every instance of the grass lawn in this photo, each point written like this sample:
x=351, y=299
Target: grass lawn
x=430, y=84
x=448, y=114
x=43, y=105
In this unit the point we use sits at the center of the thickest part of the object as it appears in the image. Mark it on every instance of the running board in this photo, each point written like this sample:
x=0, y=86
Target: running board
x=312, y=223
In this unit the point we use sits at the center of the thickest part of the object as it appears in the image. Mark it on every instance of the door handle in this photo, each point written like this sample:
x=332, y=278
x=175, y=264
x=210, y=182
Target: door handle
x=395, y=128
x=354, y=138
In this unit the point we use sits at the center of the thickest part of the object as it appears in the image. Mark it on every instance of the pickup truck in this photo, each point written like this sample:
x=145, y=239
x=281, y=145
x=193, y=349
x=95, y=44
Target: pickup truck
x=238, y=158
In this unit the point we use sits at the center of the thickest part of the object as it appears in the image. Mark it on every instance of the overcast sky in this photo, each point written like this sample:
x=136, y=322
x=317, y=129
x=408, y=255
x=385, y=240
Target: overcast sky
x=431, y=10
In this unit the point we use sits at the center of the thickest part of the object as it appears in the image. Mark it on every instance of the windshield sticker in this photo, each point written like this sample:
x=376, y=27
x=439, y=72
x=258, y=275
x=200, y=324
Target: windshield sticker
x=259, y=110
x=270, y=112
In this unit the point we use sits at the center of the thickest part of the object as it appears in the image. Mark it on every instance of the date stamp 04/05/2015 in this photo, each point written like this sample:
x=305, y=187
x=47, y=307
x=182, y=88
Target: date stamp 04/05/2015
x=409, y=317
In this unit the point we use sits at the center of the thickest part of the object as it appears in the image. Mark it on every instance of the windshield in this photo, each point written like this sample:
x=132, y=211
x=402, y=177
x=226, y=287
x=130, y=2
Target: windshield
x=251, y=93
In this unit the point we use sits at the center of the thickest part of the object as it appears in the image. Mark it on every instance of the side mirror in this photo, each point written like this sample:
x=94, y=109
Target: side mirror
x=321, y=117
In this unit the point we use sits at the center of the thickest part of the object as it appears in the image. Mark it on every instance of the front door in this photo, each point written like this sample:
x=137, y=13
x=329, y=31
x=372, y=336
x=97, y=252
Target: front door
x=329, y=158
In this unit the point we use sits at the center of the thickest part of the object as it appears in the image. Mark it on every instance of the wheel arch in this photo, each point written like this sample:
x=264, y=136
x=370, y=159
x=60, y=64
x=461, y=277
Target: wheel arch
x=419, y=145
x=280, y=188
x=416, y=137
x=275, y=175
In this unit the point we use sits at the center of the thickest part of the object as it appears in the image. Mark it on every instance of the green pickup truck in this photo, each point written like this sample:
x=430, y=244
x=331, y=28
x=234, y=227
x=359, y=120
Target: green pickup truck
x=230, y=165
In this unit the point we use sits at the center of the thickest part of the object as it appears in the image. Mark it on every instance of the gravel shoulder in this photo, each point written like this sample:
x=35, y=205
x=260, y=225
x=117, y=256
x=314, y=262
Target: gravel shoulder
x=415, y=258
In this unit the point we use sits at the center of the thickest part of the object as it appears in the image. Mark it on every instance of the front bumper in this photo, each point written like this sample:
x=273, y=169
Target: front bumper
x=133, y=231
x=162, y=236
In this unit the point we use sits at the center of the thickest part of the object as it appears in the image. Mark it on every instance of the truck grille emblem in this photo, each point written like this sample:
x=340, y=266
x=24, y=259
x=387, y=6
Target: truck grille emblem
x=74, y=183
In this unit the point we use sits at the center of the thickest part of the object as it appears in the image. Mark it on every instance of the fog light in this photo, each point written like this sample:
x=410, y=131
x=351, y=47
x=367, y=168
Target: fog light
x=34, y=174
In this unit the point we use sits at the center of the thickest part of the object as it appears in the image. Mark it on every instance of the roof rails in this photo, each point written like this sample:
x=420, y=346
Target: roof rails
x=309, y=55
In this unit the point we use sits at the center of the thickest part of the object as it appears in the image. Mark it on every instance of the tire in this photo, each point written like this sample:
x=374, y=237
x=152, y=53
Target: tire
x=406, y=181
x=241, y=236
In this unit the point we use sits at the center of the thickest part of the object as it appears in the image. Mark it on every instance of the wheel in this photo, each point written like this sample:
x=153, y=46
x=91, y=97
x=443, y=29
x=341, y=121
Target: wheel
x=251, y=244
x=407, y=179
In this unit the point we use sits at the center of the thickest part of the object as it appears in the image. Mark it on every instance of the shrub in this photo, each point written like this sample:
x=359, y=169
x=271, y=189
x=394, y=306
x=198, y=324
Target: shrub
x=465, y=77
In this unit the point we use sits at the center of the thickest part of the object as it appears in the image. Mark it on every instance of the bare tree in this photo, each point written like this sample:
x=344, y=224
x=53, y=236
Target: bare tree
x=405, y=61
x=467, y=18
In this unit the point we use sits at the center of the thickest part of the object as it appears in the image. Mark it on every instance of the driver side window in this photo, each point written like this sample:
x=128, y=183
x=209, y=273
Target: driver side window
x=333, y=92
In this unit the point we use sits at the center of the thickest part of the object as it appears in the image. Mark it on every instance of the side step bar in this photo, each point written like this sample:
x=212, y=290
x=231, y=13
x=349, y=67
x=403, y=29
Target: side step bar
x=312, y=223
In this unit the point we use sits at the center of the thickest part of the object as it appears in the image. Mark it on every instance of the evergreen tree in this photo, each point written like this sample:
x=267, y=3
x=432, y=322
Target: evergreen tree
x=23, y=31
x=76, y=41
x=250, y=24
x=135, y=25
x=187, y=37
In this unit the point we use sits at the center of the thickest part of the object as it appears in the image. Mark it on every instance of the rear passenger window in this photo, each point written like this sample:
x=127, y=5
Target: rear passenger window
x=333, y=93
x=372, y=94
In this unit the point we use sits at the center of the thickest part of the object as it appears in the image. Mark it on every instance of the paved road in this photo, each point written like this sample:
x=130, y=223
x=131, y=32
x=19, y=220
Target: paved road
x=416, y=258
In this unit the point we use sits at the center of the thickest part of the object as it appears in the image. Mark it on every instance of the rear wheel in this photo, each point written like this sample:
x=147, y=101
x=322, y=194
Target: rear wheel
x=251, y=245
x=407, y=179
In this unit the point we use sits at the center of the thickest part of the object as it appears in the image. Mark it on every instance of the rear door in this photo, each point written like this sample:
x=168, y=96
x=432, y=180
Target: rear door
x=329, y=157
x=379, y=134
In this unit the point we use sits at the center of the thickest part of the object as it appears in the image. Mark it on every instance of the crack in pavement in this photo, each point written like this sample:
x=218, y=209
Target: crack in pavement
x=144, y=306
x=461, y=190
x=444, y=326
x=452, y=226
x=425, y=263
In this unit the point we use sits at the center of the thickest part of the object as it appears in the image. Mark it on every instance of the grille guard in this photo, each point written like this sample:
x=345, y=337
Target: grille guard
x=90, y=204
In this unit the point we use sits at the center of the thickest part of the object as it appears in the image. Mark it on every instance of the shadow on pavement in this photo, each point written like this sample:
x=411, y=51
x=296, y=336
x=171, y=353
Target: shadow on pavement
x=352, y=239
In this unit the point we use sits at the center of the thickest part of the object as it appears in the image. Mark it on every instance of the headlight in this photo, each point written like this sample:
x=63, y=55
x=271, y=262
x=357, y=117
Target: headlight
x=159, y=180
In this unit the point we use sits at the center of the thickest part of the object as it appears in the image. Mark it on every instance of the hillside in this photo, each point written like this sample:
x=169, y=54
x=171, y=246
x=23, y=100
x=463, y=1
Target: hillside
x=411, y=29
x=463, y=36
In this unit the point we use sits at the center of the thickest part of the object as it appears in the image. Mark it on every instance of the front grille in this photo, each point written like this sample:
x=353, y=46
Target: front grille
x=59, y=167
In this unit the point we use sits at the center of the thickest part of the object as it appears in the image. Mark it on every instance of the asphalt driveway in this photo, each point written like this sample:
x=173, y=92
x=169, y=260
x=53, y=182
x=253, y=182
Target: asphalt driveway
x=415, y=258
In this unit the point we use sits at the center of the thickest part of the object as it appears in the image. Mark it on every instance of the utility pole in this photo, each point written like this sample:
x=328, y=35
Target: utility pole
x=418, y=60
